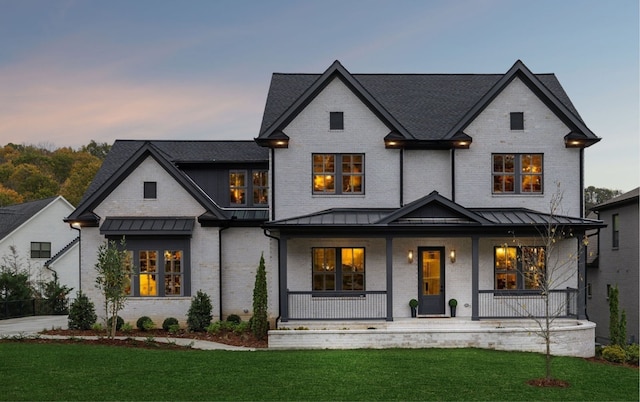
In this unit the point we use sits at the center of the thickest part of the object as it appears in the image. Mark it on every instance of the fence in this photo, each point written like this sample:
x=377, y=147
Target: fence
x=23, y=308
x=527, y=303
x=337, y=306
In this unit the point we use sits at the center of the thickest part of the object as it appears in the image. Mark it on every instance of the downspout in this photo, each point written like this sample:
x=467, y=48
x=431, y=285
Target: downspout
x=453, y=174
x=272, y=177
x=582, y=206
x=402, y=177
x=78, y=227
x=277, y=239
x=222, y=228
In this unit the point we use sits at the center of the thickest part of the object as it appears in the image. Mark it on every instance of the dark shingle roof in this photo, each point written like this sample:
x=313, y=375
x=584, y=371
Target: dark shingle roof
x=177, y=152
x=13, y=216
x=428, y=106
x=623, y=199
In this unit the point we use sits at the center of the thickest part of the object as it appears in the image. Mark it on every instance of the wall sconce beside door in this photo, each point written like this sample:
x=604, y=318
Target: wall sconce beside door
x=410, y=256
x=452, y=255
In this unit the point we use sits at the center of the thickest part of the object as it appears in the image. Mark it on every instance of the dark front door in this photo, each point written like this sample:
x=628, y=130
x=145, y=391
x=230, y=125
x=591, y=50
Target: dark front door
x=431, y=280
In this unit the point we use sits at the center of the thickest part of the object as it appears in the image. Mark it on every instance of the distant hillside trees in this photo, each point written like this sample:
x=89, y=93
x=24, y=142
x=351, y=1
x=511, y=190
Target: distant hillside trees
x=31, y=172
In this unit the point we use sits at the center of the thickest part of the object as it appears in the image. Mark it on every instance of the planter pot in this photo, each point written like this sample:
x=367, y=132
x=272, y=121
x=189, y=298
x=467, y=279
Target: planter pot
x=414, y=312
x=453, y=311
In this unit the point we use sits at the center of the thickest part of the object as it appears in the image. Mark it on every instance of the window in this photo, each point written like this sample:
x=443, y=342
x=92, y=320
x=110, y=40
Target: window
x=338, y=269
x=237, y=187
x=517, y=173
x=150, y=190
x=349, y=172
x=518, y=268
x=336, y=121
x=615, y=235
x=40, y=249
x=158, y=267
x=248, y=188
x=260, y=187
x=517, y=121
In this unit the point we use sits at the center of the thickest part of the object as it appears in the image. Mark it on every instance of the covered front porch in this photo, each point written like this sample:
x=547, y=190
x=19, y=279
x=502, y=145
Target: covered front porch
x=570, y=337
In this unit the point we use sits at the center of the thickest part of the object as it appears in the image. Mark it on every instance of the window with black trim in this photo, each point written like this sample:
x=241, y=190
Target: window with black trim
x=517, y=121
x=336, y=121
x=260, y=185
x=338, y=269
x=338, y=173
x=157, y=268
x=238, y=187
x=518, y=268
x=615, y=231
x=150, y=190
x=517, y=173
x=40, y=249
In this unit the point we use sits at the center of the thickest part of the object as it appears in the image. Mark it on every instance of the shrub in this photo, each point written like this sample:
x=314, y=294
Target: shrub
x=214, y=327
x=119, y=322
x=168, y=322
x=199, y=314
x=235, y=318
x=82, y=313
x=633, y=354
x=97, y=327
x=614, y=354
x=143, y=323
x=174, y=328
x=242, y=327
x=127, y=328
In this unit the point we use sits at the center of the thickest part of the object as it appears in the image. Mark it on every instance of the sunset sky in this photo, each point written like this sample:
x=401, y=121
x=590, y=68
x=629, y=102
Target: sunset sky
x=76, y=70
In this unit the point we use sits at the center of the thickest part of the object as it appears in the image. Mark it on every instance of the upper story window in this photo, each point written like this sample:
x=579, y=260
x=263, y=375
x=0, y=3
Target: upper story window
x=336, y=121
x=240, y=187
x=338, y=173
x=40, y=249
x=518, y=268
x=517, y=121
x=517, y=173
x=150, y=190
x=615, y=234
x=338, y=269
x=260, y=187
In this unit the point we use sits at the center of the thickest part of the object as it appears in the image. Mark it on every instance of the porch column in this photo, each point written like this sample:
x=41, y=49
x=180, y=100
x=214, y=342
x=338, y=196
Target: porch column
x=389, y=278
x=475, y=278
x=582, y=274
x=282, y=279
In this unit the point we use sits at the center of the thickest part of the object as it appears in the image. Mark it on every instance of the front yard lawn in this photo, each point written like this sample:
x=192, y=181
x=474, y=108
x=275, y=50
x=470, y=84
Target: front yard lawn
x=57, y=371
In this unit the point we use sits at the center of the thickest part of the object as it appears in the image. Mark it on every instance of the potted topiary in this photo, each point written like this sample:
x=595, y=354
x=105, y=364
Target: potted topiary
x=413, y=303
x=452, y=305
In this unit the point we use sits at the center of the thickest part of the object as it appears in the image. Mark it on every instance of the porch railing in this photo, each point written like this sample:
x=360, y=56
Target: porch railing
x=337, y=306
x=563, y=303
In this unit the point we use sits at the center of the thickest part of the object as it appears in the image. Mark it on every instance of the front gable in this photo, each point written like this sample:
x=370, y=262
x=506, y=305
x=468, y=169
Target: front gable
x=433, y=209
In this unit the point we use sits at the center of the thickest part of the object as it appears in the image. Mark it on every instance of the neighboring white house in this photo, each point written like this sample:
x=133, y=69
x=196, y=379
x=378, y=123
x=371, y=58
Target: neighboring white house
x=362, y=191
x=44, y=244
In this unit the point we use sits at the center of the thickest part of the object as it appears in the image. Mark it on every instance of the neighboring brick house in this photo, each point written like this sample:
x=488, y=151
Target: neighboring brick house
x=44, y=245
x=362, y=191
x=617, y=265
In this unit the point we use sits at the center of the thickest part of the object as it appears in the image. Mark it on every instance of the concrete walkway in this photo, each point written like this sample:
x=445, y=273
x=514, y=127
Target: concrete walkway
x=31, y=326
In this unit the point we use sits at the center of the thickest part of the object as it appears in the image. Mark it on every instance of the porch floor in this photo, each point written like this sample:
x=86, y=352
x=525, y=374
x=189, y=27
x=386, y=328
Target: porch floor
x=570, y=337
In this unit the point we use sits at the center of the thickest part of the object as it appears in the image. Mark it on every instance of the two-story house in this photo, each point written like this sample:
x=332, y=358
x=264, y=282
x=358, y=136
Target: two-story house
x=363, y=191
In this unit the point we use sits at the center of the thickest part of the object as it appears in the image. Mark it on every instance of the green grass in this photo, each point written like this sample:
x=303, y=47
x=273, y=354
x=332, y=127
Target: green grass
x=30, y=371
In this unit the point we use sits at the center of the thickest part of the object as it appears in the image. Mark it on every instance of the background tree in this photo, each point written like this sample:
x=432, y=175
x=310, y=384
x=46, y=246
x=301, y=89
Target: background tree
x=113, y=280
x=259, y=322
x=39, y=171
x=594, y=196
x=617, y=320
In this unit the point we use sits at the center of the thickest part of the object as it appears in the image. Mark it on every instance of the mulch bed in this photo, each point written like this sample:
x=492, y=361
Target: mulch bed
x=226, y=337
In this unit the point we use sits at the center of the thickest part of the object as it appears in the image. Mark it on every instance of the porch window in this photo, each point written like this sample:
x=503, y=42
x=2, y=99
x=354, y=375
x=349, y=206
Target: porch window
x=517, y=173
x=518, y=268
x=338, y=269
x=345, y=169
